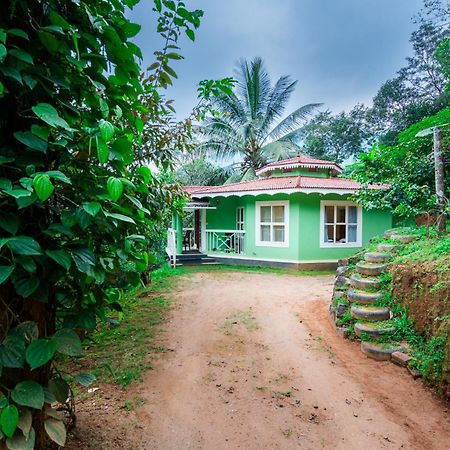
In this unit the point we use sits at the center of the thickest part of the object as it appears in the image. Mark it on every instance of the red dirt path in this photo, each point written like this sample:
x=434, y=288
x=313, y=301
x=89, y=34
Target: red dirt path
x=256, y=364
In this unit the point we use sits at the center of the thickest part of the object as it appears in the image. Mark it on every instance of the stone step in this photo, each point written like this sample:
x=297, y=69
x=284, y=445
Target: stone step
x=404, y=238
x=372, y=313
x=380, y=351
x=388, y=233
x=366, y=284
x=371, y=269
x=364, y=297
x=374, y=329
x=377, y=257
x=388, y=248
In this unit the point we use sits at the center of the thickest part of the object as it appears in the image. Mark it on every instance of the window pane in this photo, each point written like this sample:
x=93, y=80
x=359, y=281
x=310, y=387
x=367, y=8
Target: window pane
x=278, y=214
x=265, y=214
x=352, y=233
x=278, y=233
x=340, y=234
x=265, y=233
x=352, y=216
x=329, y=214
x=340, y=210
x=329, y=233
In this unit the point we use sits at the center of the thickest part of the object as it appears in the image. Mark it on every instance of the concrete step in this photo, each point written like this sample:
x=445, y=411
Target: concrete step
x=375, y=330
x=371, y=313
x=404, y=238
x=364, y=297
x=377, y=257
x=389, y=233
x=388, y=248
x=367, y=284
x=380, y=351
x=195, y=262
x=370, y=269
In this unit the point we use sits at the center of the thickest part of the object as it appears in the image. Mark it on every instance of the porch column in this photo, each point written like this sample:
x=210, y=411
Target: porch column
x=177, y=225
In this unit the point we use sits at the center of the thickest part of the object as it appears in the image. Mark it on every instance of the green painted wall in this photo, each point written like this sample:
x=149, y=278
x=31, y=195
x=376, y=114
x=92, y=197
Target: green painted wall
x=304, y=226
x=373, y=223
x=320, y=173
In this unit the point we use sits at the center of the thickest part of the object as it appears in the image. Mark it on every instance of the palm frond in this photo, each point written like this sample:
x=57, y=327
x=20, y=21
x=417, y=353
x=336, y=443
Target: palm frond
x=278, y=150
x=293, y=121
x=278, y=99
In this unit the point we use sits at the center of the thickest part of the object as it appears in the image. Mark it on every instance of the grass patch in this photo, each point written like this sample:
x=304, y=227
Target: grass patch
x=122, y=350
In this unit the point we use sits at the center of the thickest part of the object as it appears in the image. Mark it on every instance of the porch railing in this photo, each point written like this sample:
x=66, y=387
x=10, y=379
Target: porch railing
x=171, y=248
x=225, y=241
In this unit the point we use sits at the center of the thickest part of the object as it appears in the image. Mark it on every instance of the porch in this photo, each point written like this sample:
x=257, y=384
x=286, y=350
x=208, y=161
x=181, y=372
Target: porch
x=189, y=239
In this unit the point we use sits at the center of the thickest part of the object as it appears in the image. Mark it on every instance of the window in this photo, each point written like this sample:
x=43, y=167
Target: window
x=240, y=218
x=341, y=224
x=272, y=224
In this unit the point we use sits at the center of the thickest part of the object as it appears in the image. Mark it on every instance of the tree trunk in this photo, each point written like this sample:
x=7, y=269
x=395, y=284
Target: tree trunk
x=439, y=179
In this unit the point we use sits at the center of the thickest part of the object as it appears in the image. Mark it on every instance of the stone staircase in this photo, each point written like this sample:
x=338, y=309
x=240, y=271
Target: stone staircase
x=194, y=258
x=363, y=292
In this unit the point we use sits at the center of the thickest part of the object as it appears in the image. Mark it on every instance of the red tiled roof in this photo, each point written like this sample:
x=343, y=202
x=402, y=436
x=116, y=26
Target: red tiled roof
x=195, y=189
x=300, y=161
x=280, y=183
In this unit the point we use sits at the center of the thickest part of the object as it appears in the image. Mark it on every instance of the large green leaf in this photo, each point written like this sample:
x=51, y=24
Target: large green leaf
x=22, y=245
x=9, y=420
x=68, y=342
x=56, y=431
x=40, y=352
x=106, y=130
x=20, y=442
x=61, y=257
x=22, y=55
x=85, y=379
x=29, y=393
x=59, y=388
x=5, y=272
x=24, y=283
x=12, y=352
x=3, y=52
x=58, y=175
x=30, y=140
x=49, y=41
x=43, y=186
x=115, y=188
x=120, y=217
x=102, y=151
x=92, y=208
x=84, y=259
x=9, y=222
x=25, y=421
x=49, y=114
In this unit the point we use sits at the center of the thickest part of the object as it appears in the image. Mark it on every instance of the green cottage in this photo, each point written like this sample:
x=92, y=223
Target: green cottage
x=296, y=214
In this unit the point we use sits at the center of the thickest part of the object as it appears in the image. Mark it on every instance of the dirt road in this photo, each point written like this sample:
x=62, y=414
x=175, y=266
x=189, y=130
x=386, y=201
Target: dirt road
x=256, y=364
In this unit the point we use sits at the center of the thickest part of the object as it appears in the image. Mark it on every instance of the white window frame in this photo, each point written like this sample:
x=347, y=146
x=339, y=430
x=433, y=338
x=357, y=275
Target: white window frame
x=359, y=224
x=240, y=215
x=260, y=243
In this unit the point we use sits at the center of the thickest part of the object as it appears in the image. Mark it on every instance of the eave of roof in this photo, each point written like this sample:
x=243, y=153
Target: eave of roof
x=276, y=185
x=300, y=161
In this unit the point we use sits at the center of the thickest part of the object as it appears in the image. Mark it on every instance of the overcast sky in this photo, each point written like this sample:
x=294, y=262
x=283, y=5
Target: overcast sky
x=340, y=51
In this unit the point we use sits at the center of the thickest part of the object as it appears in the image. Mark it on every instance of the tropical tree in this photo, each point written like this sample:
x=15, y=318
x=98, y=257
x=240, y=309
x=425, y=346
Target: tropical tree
x=336, y=137
x=78, y=203
x=248, y=123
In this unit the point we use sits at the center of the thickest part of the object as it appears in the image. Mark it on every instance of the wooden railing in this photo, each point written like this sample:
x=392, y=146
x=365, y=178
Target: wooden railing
x=225, y=241
x=171, y=248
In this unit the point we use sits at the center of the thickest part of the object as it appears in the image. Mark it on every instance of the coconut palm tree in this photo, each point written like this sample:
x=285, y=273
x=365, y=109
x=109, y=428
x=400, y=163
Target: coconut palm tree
x=247, y=124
